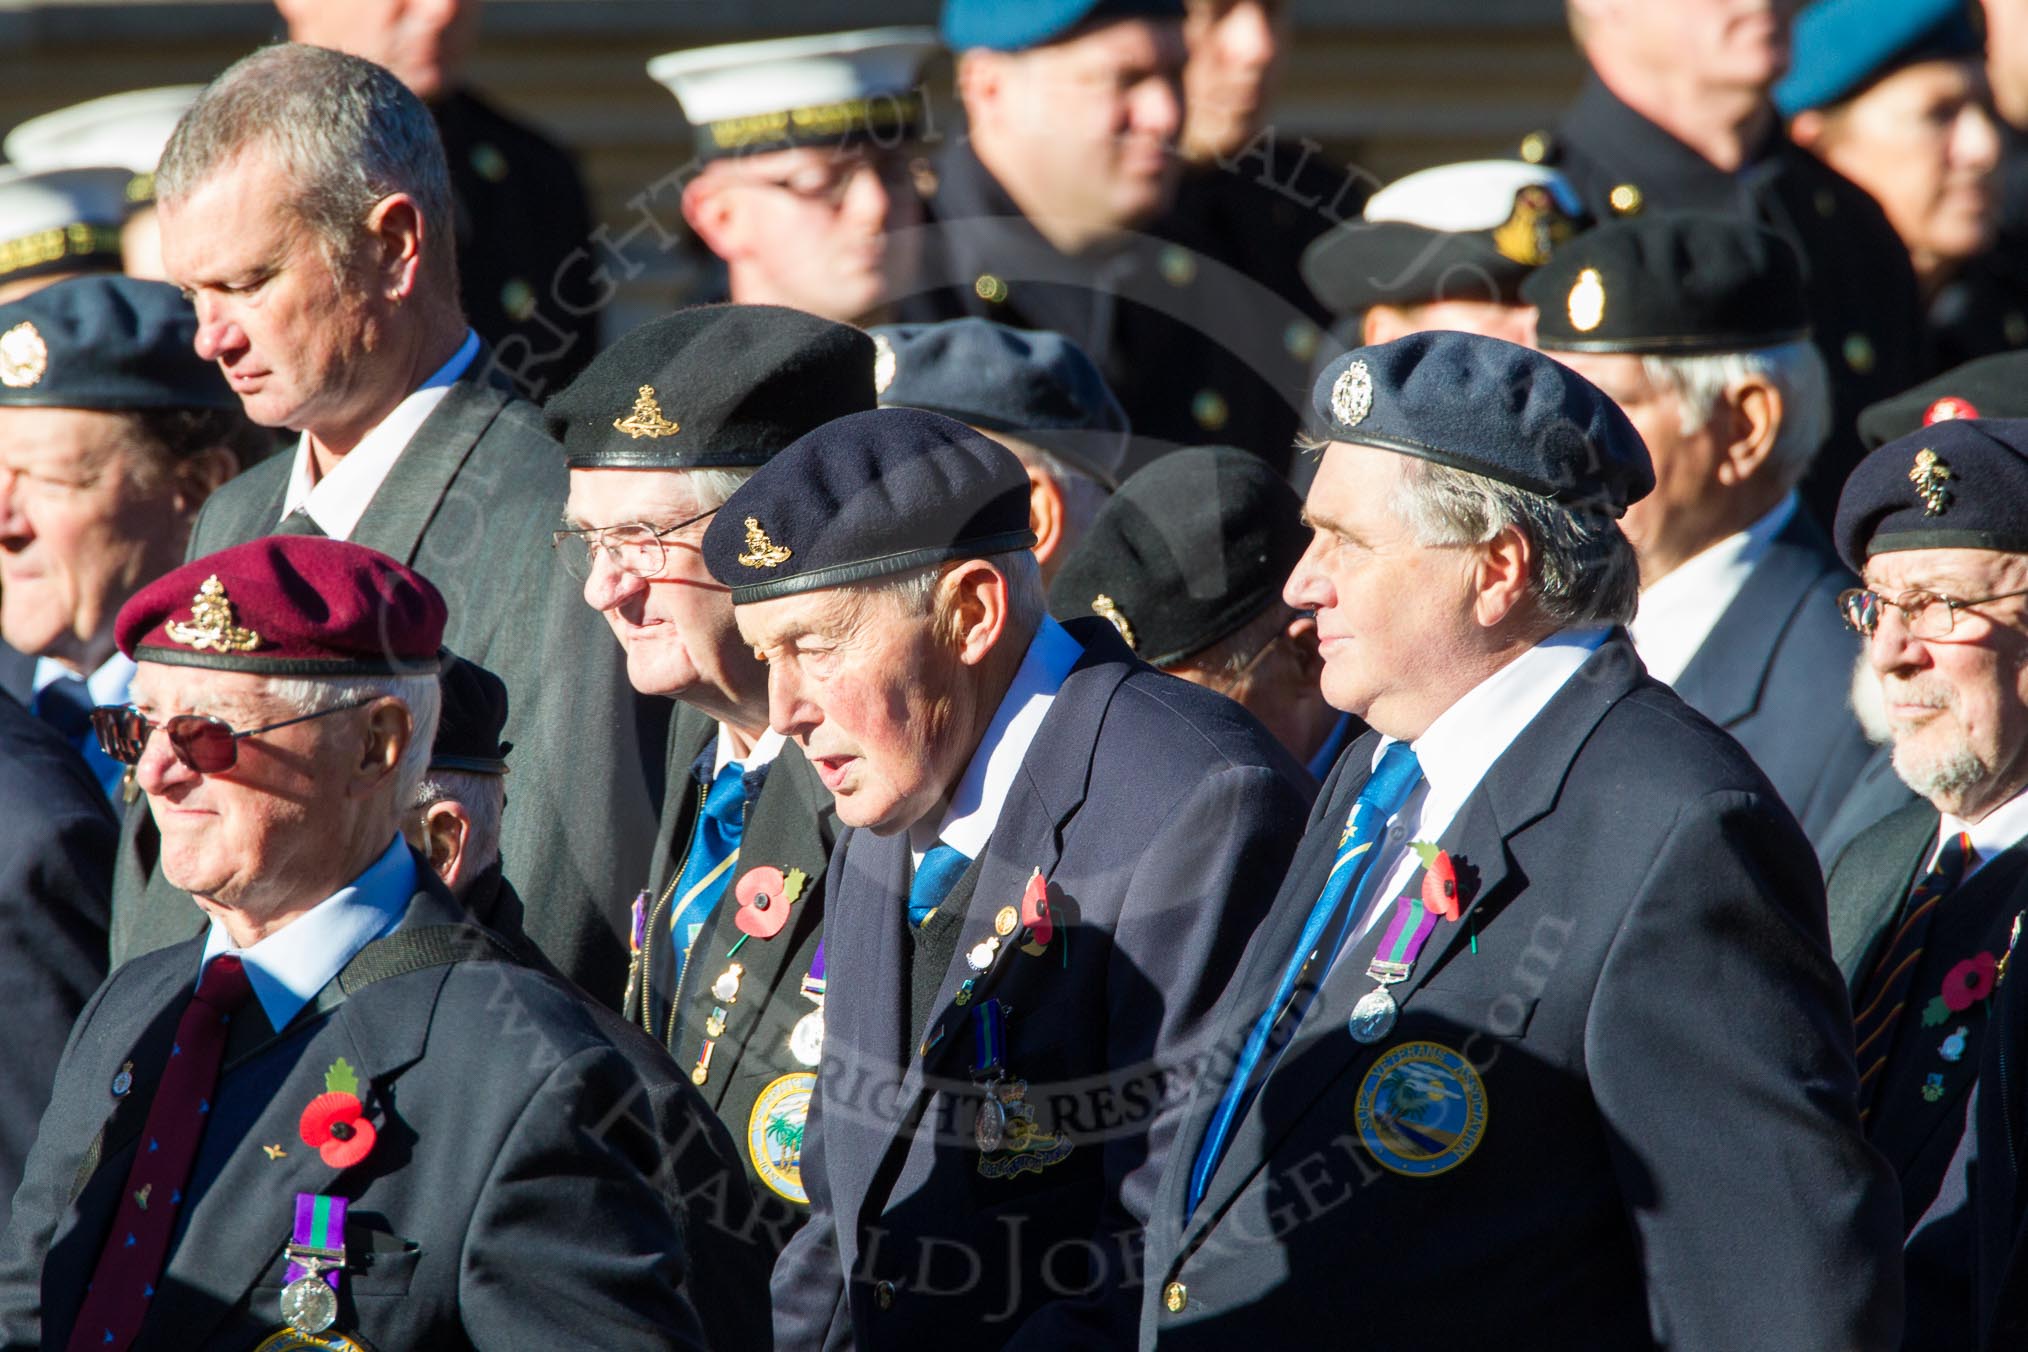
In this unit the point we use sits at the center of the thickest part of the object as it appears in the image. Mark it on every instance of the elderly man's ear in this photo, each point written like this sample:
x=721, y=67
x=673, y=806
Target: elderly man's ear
x=388, y=729
x=975, y=607
x=446, y=830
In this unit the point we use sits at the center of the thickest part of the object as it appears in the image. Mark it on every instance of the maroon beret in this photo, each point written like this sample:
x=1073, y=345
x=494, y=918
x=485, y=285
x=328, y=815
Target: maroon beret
x=288, y=605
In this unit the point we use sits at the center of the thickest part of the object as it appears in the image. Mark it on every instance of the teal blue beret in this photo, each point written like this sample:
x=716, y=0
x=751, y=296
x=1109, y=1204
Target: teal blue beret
x=106, y=342
x=1841, y=46
x=1016, y=25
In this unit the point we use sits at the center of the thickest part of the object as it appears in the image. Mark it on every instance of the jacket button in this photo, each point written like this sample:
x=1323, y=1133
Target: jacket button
x=883, y=1295
x=1174, y=1296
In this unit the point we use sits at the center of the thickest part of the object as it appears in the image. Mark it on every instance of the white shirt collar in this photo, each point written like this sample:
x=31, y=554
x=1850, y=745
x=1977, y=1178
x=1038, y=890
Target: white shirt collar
x=1679, y=611
x=1462, y=745
x=290, y=966
x=982, y=791
x=337, y=501
x=112, y=683
x=1996, y=833
x=764, y=752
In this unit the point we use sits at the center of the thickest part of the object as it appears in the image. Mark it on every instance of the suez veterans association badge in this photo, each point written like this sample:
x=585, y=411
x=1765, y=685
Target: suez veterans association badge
x=294, y=1340
x=1421, y=1109
x=774, y=1133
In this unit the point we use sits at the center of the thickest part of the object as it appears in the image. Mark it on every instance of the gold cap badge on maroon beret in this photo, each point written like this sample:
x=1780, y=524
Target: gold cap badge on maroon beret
x=212, y=626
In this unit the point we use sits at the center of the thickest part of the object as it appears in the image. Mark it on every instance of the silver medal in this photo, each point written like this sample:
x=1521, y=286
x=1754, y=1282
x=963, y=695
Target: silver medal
x=989, y=1129
x=309, y=1304
x=806, y=1039
x=1373, y=1016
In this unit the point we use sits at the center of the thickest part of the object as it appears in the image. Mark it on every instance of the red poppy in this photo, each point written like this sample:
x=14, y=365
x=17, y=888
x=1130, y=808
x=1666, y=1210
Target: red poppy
x=763, y=902
x=1970, y=981
x=336, y=1124
x=1440, y=886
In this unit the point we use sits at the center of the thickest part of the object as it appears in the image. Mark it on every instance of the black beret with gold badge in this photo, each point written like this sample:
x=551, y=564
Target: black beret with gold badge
x=1674, y=282
x=714, y=387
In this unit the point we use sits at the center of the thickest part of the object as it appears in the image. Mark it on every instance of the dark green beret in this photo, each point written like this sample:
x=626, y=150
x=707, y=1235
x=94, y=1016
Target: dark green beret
x=1670, y=283
x=868, y=496
x=714, y=387
x=1986, y=387
x=1190, y=549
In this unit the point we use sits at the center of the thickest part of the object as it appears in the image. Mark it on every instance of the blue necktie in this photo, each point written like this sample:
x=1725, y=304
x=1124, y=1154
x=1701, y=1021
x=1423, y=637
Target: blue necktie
x=714, y=849
x=941, y=867
x=1393, y=779
x=66, y=705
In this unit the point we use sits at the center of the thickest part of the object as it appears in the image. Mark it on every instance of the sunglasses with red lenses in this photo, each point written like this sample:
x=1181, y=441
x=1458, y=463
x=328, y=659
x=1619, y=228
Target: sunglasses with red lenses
x=202, y=743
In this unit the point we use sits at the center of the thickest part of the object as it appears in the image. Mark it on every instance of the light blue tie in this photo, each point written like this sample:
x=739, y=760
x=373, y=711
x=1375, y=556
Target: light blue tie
x=714, y=849
x=941, y=867
x=1393, y=780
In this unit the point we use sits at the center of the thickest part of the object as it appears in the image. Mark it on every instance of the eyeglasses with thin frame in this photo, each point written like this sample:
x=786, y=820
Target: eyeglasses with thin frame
x=200, y=742
x=833, y=183
x=1928, y=614
x=634, y=547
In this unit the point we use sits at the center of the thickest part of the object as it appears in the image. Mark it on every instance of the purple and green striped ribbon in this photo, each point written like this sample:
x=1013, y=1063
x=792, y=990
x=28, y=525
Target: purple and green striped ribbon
x=320, y=1224
x=1402, y=943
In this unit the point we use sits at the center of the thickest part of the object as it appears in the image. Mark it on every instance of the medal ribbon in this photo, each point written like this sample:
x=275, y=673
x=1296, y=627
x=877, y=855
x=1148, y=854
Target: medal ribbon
x=813, y=984
x=991, y=1023
x=1401, y=946
x=320, y=1225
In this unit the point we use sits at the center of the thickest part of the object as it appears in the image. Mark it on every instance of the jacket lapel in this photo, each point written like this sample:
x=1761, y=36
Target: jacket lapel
x=1519, y=788
x=242, y=1207
x=408, y=497
x=1718, y=683
x=1881, y=869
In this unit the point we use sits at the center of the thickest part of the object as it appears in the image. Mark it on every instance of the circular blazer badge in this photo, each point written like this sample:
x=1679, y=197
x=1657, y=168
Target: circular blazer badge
x=291, y=1340
x=774, y=1133
x=1421, y=1109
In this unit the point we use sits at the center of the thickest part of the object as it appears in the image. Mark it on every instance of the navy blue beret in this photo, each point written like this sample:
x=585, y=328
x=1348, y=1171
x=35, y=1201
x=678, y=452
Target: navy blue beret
x=1034, y=383
x=106, y=342
x=868, y=496
x=1017, y=26
x=1488, y=407
x=1958, y=484
x=1191, y=549
x=1985, y=387
x=1671, y=283
x=712, y=387
x=1838, y=47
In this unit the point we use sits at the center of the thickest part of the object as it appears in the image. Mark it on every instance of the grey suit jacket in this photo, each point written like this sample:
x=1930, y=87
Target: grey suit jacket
x=470, y=504
x=513, y=1197
x=1161, y=815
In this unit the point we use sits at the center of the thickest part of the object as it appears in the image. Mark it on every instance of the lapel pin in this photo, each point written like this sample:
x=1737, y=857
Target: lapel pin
x=124, y=1080
x=275, y=1151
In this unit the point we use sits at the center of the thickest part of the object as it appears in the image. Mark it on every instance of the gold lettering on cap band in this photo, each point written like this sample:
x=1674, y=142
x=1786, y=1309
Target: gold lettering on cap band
x=211, y=623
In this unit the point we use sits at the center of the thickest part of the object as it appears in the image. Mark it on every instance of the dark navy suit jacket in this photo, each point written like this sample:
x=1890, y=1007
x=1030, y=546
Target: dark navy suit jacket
x=1670, y=1152
x=516, y=1196
x=1161, y=814
x=1775, y=670
x=56, y=865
